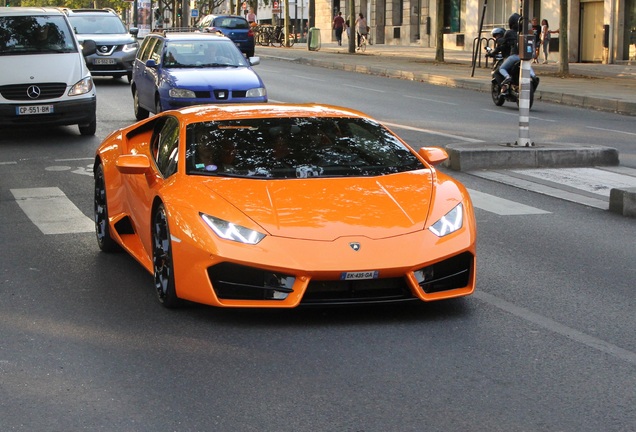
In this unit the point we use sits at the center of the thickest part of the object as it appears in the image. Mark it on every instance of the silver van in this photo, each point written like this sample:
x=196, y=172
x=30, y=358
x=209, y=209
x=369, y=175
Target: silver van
x=44, y=79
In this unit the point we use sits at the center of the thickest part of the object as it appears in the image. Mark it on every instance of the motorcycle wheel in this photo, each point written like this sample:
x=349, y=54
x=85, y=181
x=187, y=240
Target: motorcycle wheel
x=494, y=92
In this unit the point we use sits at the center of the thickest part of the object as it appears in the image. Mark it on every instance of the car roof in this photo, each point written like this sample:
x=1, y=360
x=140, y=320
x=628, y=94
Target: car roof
x=259, y=110
x=93, y=12
x=26, y=11
x=190, y=36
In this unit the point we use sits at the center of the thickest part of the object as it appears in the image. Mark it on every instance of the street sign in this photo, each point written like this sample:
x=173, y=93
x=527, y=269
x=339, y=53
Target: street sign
x=194, y=13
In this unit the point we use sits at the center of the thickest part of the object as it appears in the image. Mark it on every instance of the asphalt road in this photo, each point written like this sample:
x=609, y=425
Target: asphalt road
x=546, y=343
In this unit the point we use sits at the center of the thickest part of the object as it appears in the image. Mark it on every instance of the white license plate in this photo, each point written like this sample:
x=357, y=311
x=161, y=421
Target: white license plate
x=34, y=109
x=104, y=61
x=360, y=275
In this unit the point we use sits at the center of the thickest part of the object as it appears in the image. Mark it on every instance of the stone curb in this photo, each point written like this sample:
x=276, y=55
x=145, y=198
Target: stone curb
x=472, y=157
x=623, y=202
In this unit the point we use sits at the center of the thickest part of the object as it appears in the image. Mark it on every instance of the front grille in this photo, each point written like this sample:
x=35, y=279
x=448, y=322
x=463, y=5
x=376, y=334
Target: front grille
x=20, y=92
x=239, y=93
x=362, y=291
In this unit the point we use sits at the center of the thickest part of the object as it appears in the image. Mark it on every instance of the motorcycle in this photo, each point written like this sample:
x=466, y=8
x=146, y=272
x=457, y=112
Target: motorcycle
x=513, y=93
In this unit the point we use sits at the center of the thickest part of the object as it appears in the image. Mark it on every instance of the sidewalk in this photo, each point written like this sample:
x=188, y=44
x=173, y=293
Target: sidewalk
x=593, y=86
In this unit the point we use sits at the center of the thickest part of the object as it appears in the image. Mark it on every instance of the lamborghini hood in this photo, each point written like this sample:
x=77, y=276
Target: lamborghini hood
x=326, y=209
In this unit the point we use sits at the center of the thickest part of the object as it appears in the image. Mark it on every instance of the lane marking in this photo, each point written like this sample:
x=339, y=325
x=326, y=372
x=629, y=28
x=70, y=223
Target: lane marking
x=501, y=206
x=364, y=88
x=51, y=211
x=432, y=132
x=611, y=130
x=429, y=100
x=309, y=78
x=558, y=328
x=516, y=114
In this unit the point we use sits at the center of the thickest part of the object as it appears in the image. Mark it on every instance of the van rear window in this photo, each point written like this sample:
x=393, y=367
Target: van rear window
x=35, y=35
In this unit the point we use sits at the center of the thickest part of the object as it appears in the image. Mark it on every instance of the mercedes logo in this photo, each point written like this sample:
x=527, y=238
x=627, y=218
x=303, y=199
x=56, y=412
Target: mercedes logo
x=355, y=246
x=33, y=92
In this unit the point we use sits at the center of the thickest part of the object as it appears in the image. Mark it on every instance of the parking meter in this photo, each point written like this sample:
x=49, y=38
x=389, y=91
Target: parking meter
x=526, y=47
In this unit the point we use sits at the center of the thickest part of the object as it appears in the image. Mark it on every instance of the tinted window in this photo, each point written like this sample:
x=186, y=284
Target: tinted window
x=106, y=24
x=296, y=148
x=231, y=23
x=167, y=138
x=35, y=35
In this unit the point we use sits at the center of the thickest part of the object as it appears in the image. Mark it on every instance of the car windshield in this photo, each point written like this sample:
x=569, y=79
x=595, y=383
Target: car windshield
x=91, y=24
x=231, y=23
x=300, y=147
x=35, y=35
x=203, y=54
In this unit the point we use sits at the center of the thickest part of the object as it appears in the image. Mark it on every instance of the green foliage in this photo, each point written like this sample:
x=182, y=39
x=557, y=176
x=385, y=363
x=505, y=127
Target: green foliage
x=117, y=5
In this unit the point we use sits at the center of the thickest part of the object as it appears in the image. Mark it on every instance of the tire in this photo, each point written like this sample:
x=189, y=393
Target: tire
x=162, y=263
x=249, y=54
x=494, y=93
x=89, y=128
x=102, y=228
x=140, y=113
x=129, y=76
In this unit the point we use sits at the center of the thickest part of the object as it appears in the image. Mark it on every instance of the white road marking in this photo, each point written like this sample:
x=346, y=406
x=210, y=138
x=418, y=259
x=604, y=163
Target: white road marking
x=611, y=130
x=502, y=206
x=309, y=78
x=364, y=88
x=592, y=180
x=432, y=132
x=516, y=114
x=429, y=100
x=51, y=211
x=558, y=328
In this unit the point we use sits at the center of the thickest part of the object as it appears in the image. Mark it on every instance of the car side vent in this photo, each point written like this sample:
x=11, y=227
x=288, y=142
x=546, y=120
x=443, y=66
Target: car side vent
x=239, y=93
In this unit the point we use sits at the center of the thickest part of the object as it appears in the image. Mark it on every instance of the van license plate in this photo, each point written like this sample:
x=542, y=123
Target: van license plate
x=104, y=61
x=34, y=109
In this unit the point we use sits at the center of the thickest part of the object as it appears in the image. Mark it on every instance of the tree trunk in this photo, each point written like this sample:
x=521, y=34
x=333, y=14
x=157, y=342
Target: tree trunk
x=439, y=33
x=564, y=65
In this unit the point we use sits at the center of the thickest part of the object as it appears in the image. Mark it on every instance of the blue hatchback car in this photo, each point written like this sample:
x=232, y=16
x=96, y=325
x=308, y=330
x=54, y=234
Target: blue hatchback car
x=235, y=27
x=173, y=70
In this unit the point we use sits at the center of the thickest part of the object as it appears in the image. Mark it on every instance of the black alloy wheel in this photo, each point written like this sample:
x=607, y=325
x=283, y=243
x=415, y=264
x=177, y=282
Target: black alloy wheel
x=102, y=229
x=163, y=268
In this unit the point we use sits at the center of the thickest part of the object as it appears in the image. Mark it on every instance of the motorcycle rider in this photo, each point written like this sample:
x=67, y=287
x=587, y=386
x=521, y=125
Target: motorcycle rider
x=510, y=43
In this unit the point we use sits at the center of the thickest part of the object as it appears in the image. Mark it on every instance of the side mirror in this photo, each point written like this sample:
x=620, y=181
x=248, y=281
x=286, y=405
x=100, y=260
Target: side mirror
x=133, y=164
x=134, y=31
x=433, y=155
x=89, y=47
x=254, y=61
x=151, y=63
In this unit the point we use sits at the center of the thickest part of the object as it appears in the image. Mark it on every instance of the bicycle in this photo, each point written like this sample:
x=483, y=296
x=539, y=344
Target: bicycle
x=363, y=43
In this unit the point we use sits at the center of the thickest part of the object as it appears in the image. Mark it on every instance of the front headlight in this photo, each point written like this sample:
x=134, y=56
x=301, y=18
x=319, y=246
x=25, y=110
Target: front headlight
x=449, y=223
x=229, y=231
x=130, y=47
x=82, y=87
x=181, y=93
x=256, y=92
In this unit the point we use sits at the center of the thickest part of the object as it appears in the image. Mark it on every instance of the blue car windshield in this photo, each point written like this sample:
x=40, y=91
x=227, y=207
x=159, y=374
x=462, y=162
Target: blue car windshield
x=203, y=54
x=41, y=34
x=300, y=147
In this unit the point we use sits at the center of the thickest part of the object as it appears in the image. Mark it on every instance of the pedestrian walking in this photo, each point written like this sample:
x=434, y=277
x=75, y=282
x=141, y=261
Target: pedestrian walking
x=251, y=17
x=361, y=27
x=536, y=32
x=545, y=39
x=338, y=26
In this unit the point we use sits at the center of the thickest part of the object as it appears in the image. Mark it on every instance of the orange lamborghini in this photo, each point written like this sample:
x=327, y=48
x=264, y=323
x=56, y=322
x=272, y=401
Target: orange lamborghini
x=282, y=205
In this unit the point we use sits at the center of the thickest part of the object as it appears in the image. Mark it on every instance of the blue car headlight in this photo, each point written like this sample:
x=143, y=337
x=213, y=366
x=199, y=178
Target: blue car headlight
x=181, y=93
x=256, y=92
x=450, y=222
x=229, y=231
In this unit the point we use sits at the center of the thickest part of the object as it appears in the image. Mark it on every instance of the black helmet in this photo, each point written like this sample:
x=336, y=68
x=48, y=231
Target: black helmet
x=497, y=32
x=513, y=21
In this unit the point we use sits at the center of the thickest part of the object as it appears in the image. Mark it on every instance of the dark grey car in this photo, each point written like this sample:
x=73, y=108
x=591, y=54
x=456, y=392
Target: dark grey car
x=116, y=46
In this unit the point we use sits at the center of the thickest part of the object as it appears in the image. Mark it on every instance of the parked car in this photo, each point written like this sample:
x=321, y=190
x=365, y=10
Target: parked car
x=116, y=46
x=235, y=27
x=281, y=205
x=44, y=78
x=174, y=70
